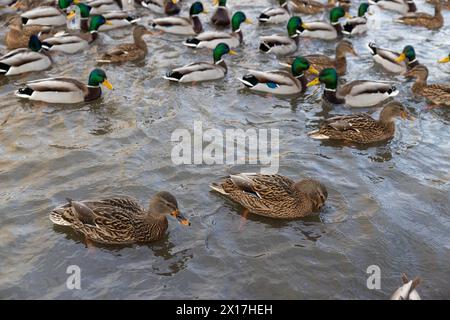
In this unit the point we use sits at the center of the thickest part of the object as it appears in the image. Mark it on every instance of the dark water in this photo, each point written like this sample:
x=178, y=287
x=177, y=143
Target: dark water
x=388, y=205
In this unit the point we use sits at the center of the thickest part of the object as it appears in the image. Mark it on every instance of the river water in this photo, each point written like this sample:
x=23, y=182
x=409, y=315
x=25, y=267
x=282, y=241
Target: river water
x=388, y=204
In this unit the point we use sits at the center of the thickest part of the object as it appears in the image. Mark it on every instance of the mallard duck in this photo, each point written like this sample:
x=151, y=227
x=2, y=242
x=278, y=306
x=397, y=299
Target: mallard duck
x=212, y=39
x=280, y=82
x=71, y=43
x=283, y=45
x=119, y=220
x=129, y=51
x=103, y=6
x=274, y=196
x=275, y=15
x=357, y=25
x=445, y=60
x=47, y=15
x=361, y=127
x=18, y=35
x=169, y=7
x=400, y=6
x=65, y=90
x=432, y=22
x=182, y=25
x=359, y=93
x=324, y=30
x=24, y=60
x=408, y=290
x=203, y=71
x=311, y=6
x=438, y=94
x=393, y=61
x=221, y=16
x=320, y=61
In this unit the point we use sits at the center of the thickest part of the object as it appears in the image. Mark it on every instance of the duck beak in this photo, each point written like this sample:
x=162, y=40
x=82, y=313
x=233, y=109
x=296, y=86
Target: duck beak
x=305, y=26
x=315, y=82
x=232, y=52
x=76, y=1
x=248, y=21
x=406, y=116
x=107, y=84
x=174, y=1
x=400, y=58
x=180, y=218
x=313, y=70
x=215, y=2
x=348, y=15
x=205, y=11
x=108, y=23
x=445, y=60
x=71, y=15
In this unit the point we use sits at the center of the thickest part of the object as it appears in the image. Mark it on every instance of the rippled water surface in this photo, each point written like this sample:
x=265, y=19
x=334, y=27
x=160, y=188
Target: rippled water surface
x=388, y=204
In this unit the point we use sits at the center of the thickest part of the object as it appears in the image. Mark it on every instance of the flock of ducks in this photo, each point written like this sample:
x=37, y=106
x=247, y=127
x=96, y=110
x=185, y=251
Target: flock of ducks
x=38, y=29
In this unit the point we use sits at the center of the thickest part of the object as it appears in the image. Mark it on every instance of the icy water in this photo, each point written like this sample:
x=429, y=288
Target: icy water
x=388, y=205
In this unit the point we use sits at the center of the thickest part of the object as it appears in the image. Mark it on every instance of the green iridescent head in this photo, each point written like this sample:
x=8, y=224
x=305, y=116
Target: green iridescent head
x=295, y=26
x=85, y=10
x=410, y=53
x=300, y=65
x=221, y=3
x=336, y=13
x=237, y=19
x=96, y=22
x=196, y=8
x=362, y=10
x=34, y=43
x=220, y=50
x=64, y=4
x=328, y=77
x=98, y=77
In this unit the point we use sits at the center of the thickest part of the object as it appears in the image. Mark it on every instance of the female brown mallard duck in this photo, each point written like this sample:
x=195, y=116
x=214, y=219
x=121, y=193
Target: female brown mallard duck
x=361, y=127
x=129, y=51
x=339, y=62
x=119, y=220
x=18, y=35
x=437, y=93
x=311, y=6
x=221, y=16
x=423, y=19
x=274, y=196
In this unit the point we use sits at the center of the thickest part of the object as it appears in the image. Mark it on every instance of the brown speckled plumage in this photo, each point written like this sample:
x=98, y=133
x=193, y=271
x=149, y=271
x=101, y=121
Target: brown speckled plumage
x=274, y=196
x=118, y=220
x=320, y=61
x=311, y=6
x=361, y=127
x=426, y=20
x=438, y=94
x=18, y=35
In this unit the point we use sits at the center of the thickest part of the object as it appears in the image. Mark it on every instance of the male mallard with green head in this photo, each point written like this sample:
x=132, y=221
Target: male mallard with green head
x=325, y=30
x=47, y=15
x=280, y=82
x=221, y=16
x=361, y=127
x=203, y=71
x=168, y=7
x=24, y=60
x=437, y=93
x=181, y=25
x=392, y=61
x=275, y=15
x=65, y=90
x=358, y=25
x=283, y=45
x=358, y=93
x=119, y=220
x=211, y=39
x=400, y=6
x=274, y=196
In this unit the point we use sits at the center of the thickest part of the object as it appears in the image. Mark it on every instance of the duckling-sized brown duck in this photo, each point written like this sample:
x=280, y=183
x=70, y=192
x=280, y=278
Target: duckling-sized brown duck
x=436, y=93
x=18, y=35
x=361, y=127
x=119, y=220
x=274, y=196
x=408, y=290
x=221, y=16
x=311, y=6
x=129, y=51
x=423, y=19
x=339, y=62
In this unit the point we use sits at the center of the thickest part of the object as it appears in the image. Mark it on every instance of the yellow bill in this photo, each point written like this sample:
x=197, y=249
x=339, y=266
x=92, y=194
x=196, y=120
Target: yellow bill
x=71, y=15
x=400, y=58
x=248, y=21
x=174, y=1
x=108, y=23
x=313, y=70
x=445, y=60
x=315, y=82
x=76, y=1
x=215, y=2
x=107, y=84
x=406, y=116
x=232, y=52
x=348, y=15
